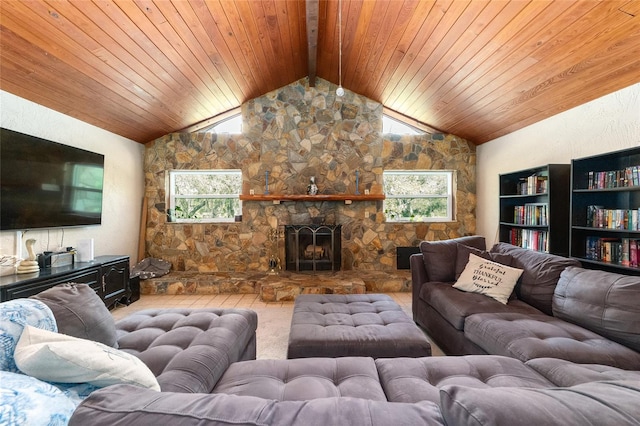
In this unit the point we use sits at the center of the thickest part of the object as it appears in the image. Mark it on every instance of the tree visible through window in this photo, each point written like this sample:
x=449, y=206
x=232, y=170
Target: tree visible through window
x=415, y=195
x=204, y=195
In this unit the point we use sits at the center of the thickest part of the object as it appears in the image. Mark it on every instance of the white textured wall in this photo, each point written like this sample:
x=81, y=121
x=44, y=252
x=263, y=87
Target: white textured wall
x=606, y=124
x=123, y=179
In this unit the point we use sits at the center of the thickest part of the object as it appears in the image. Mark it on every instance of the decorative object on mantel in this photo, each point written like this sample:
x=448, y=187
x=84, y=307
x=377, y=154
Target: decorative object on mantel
x=31, y=264
x=312, y=188
x=357, y=182
x=266, y=182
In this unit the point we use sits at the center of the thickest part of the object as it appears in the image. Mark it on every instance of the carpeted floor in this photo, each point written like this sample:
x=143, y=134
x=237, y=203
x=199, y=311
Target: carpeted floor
x=274, y=319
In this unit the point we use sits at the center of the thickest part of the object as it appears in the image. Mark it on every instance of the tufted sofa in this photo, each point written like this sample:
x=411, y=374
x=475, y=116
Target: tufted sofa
x=557, y=309
x=188, y=350
x=202, y=360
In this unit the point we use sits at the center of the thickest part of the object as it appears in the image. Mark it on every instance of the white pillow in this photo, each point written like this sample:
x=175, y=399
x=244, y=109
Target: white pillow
x=489, y=278
x=56, y=357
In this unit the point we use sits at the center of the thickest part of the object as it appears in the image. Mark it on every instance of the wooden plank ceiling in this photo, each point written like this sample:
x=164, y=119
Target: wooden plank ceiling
x=477, y=69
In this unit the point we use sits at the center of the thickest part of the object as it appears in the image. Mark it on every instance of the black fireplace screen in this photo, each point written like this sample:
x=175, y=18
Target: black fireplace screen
x=313, y=247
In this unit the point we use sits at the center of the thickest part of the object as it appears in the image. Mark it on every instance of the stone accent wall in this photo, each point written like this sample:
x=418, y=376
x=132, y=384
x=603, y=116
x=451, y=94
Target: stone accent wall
x=294, y=133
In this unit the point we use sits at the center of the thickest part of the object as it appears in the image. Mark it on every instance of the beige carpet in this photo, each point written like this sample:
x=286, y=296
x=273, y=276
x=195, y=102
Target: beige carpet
x=273, y=332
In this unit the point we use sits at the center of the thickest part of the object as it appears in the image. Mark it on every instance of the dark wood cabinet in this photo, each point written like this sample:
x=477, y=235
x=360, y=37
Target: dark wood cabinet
x=534, y=208
x=107, y=275
x=605, y=205
x=115, y=282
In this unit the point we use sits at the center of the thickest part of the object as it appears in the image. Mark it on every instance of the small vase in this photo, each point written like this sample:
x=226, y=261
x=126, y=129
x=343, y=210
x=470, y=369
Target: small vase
x=312, y=188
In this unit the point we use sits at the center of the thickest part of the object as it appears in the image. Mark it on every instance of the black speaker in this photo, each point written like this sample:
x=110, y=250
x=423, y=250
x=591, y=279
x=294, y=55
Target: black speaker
x=402, y=256
x=134, y=285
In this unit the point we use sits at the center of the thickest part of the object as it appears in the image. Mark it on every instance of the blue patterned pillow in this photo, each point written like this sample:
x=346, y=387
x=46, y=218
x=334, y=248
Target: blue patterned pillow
x=29, y=401
x=14, y=315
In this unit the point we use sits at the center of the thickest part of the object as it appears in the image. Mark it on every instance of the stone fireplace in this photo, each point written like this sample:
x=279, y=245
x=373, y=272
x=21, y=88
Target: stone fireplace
x=313, y=248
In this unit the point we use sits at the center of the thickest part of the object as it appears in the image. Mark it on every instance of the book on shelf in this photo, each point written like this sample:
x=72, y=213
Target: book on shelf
x=624, y=219
x=622, y=251
x=530, y=239
x=623, y=178
x=534, y=184
x=531, y=214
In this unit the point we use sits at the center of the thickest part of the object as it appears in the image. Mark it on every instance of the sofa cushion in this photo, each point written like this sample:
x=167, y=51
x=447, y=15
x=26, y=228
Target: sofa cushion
x=56, y=357
x=26, y=400
x=566, y=373
x=541, y=272
x=15, y=315
x=455, y=305
x=303, y=379
x=125, y=405
x=420, y=379
x=188, y=349
x=603, y=302
x=597, y=403
x=440, y=256
x=489, y=278
x=80, y=312
x=527, y=336
x=463, y=252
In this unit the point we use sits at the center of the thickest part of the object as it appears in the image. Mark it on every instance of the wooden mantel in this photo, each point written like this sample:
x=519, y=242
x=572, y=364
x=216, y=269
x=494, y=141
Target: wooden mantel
x=347, y=198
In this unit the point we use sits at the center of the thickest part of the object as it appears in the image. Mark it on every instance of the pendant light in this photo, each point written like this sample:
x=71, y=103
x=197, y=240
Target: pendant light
x=340, y=90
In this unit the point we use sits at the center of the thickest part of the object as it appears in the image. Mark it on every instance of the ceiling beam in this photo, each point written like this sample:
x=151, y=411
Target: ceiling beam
x=312, y=39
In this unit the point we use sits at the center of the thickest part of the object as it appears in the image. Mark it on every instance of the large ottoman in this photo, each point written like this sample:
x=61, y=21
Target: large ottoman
x=338, y=325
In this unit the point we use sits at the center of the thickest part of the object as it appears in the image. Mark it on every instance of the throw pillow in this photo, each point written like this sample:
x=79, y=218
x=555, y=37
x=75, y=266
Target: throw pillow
x=80, y=312
x=463, y=252
x=60, y=358
x=440, y=256
x=489, y=278
x=14, y=316
x=28, y=401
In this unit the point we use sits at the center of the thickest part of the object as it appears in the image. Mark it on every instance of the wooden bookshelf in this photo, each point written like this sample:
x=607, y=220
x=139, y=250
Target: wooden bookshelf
x=534, y=208
x=604, y=195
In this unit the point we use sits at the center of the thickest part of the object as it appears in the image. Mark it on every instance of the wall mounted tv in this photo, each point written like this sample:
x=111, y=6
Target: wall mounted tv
x=45, y=184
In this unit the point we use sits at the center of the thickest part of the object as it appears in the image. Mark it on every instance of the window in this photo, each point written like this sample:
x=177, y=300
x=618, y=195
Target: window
x=204, y=195
x=231, y=125
x=397, y=127
x=418, y=195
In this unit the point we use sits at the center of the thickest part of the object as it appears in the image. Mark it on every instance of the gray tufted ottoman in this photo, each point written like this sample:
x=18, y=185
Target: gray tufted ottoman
x=338, y=325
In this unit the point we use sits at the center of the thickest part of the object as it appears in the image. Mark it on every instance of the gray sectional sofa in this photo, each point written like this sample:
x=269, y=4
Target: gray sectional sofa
x=204, y=363
x=557, y=309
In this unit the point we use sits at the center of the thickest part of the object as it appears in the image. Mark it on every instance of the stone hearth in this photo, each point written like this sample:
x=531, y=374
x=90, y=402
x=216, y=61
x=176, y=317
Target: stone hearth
x=284, y=286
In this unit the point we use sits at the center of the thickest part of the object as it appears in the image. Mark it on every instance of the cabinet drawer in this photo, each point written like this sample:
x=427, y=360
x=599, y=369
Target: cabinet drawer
x=91, y=277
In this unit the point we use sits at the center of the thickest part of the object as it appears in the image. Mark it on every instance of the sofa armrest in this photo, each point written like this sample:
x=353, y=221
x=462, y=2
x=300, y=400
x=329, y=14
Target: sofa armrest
x=130, y=405
x=418, y=277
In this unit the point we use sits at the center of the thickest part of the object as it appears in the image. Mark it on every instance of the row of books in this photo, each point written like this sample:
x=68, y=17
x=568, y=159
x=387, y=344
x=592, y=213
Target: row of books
x=530, y=239
x=599, y=217
x=622, y=251
x=533, y=184
x=531, y=214
x=629, y=176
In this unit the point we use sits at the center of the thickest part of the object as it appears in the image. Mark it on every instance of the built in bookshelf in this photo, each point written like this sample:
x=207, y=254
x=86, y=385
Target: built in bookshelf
x=605, y=210
x=534, y=208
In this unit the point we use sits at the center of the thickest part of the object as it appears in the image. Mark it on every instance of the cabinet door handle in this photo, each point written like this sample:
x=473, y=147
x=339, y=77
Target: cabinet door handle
x=104, y=284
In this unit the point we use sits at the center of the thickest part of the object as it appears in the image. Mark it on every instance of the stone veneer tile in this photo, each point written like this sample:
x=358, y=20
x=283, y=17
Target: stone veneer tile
x=297, y=132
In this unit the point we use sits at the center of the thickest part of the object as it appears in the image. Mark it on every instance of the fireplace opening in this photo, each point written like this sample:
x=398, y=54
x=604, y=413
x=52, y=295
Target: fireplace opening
x=313, y=247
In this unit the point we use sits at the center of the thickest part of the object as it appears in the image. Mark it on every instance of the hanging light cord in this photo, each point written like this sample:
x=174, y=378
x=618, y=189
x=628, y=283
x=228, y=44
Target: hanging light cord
x=340, y=90
x=340, y=39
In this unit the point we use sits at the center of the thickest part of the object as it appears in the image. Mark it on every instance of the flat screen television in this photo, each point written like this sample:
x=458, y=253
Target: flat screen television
x=44, y=184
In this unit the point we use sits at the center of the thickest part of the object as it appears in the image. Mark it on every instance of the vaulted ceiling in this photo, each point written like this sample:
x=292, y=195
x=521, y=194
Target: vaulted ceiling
x=477, y=69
